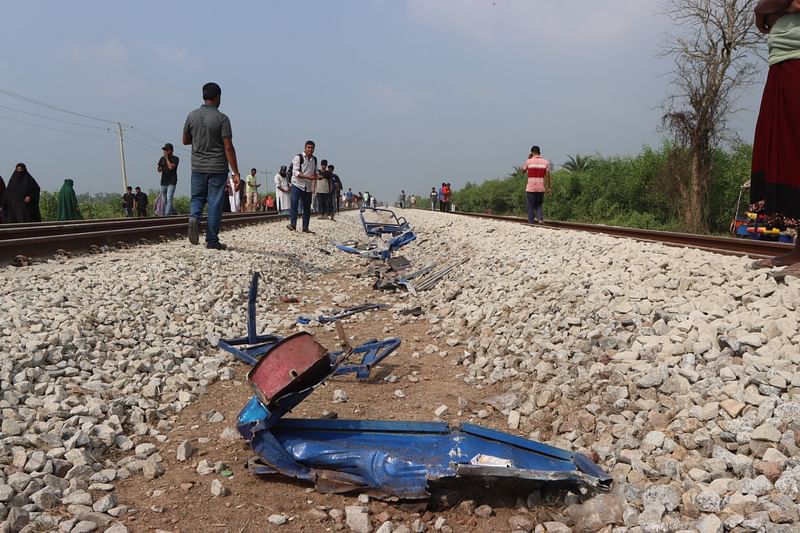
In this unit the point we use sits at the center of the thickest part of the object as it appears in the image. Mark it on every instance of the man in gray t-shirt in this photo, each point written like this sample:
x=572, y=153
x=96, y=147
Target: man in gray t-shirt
x=209, y=132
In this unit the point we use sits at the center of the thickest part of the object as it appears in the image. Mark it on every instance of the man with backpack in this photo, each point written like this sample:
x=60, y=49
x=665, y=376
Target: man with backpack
x=304, y=172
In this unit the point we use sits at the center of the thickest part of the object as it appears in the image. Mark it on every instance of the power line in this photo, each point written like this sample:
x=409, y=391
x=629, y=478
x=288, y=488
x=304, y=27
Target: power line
x=152, y=137
x=144, y=134
x=32, y=101
x=119, y=126
x=140, y=144
x=130, y=127
x=53, y=129
x=55, y=119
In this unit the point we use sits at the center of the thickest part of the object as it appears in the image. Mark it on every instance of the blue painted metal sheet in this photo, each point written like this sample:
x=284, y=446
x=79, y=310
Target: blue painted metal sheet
x=401, y=459
x=372, y=251
x=397, y=226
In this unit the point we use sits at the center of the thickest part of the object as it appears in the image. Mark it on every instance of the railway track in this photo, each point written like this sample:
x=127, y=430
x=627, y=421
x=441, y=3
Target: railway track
x=710, y=243
x=47, y=238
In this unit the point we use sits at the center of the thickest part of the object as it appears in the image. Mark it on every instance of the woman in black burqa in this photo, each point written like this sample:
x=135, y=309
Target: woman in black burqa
x=21, y=201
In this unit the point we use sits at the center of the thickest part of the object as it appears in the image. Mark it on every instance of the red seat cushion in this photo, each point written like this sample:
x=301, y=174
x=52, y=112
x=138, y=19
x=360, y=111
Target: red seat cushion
x=294, y=364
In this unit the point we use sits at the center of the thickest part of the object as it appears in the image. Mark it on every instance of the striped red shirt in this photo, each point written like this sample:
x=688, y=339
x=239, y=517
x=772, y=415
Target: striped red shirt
x=537, y=168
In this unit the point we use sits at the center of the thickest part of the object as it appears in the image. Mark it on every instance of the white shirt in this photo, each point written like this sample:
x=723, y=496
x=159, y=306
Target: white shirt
x=281, y=181
x=309, y=168
x=282, y=197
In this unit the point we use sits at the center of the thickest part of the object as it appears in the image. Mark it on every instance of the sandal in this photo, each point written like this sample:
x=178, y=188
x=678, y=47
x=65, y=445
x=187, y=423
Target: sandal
x=767, y=262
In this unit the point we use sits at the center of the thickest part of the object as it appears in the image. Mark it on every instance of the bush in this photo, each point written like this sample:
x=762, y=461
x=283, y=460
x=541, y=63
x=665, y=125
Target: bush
x=639, y=191
x=102, y=205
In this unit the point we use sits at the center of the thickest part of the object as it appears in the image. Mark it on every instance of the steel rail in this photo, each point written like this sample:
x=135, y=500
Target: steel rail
x=35, y=229
x=34, y=240
x=710, y=243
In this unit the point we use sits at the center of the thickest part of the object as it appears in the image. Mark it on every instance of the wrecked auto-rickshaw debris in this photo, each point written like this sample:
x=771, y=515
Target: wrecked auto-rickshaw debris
x=390, y=224
x=393, y=460
x=373, y=249
x=344, y=313
x=390, y=272
x=357, y=360
x=388, y=459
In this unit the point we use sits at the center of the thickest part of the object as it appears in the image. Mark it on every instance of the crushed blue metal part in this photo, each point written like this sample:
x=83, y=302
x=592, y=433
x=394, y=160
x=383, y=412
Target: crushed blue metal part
x=385, y=459
x=373, y=251
x=397, y=226
x=401, y=459
x=359, y=360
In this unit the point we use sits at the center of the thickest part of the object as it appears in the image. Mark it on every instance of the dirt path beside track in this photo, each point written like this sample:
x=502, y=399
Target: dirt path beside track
x=181, y=499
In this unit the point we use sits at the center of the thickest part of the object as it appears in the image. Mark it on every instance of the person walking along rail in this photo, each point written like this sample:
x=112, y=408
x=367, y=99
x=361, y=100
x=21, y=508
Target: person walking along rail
x=209, y=132
x=538, y=172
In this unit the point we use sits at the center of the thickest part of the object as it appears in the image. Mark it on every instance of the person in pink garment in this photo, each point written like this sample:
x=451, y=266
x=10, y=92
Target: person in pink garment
x=537, y=169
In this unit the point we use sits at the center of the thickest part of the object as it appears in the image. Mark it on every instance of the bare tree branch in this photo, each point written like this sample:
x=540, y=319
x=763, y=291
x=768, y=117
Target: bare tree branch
x=716, y=55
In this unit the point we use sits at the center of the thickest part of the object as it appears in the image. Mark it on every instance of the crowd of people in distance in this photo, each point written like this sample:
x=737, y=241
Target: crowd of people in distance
x=357, y=200
x=442, y=198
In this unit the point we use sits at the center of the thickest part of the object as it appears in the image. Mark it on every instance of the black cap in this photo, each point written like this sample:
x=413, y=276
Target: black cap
x=168, y=146
x=283, y=167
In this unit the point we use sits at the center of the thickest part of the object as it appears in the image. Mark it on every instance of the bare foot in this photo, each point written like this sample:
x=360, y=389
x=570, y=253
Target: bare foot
x=774, y=262
x=792, y=270
x=792, y=257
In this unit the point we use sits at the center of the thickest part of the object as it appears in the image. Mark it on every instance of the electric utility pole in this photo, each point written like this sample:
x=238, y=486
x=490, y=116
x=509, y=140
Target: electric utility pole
x=122, y=159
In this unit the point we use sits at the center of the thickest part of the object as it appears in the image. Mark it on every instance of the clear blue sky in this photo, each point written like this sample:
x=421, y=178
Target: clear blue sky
x=399, y=94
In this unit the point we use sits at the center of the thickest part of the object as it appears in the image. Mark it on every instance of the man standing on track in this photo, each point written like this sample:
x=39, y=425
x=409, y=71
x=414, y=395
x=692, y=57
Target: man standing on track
x=168, y=166
x=140, y=202
x=127, y=201
x=209, y=133
x=337, y=189
x=251, y=185
x=304, y=173
x=282, y=189
x=324, y=188
x=538, y=171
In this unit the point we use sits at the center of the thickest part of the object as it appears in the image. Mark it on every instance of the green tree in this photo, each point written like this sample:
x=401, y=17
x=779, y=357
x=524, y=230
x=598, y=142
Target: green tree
x=714, y=58
x=579, y=163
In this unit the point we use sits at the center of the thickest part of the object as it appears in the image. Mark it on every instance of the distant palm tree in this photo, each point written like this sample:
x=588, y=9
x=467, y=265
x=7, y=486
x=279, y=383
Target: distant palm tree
x=578, y=163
